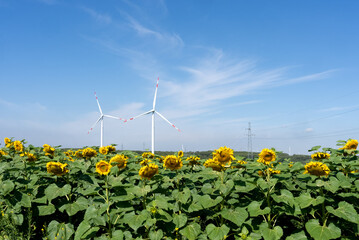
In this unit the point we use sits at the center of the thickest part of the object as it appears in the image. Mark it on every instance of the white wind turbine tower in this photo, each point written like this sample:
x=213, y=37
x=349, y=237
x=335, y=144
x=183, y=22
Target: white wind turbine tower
x=153, y=111
x=101, y=119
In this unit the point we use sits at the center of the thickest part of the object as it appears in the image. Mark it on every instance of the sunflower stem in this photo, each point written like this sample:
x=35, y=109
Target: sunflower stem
x=108, y=207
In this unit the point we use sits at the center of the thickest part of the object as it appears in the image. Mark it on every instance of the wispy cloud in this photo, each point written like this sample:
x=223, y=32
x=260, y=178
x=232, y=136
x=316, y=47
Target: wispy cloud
x=99, y=17
x=170, y=39
x=23, y=107
x=337, y=109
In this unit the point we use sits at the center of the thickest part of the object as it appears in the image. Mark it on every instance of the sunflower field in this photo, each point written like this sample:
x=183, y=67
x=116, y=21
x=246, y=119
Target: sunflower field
x=100, y=193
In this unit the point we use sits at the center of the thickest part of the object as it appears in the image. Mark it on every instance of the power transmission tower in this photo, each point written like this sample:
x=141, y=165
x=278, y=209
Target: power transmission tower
x=249, y=134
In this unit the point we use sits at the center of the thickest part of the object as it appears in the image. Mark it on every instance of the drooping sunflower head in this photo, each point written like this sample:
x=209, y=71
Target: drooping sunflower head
x=18, y=146
x=180, y=153
x=172, y=162
x=49, y=151
x=223, y=155
x=317, y=168
x=2, y=153
x=214, y=164
x=148, y=155
x=145, y=162
x=89, y=153
x=148, y=171
x=78, y=153
x=57, y=168
x=119, y=160
x=193, y=160
x=103, y=150
x=29, y=156
x=351, y=144
x=269, y=171
x=103, y=167
x=266, y=156
x=111, y=148
x=7, y=142
x=320, y=156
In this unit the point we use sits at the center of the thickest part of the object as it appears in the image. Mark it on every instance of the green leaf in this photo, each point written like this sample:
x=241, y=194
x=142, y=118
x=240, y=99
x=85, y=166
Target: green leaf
x=91, y=233
x=25, y=200
x=345, y=211
x=18, y=219
x=191, y=231
x=180, y=220
x=332, y=185
x=71, y=208
x=285, y=197
x=297, y=236
x=184, y=195
x=254, y=209
x=134, y=221
x=237, y=216
x=46, y=210
x=319, y=232
x=305, y=200
x=53, y=191
x=315, y=148
x=207, y=202
x=81, y=229
x=217, y=233
x=271, y=234
x=6, y=187
x=156, y=235
x=60, y=230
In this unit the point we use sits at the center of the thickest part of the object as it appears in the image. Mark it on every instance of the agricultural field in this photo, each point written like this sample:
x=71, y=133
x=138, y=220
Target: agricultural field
x=102, y=193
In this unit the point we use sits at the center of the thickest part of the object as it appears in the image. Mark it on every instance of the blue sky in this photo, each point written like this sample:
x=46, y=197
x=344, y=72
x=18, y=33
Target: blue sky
x=288, y=67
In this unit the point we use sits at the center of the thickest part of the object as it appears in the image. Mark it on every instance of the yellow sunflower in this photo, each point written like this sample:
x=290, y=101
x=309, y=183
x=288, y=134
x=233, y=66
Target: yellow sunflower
x=48, y=150
x=119, y=160
x=351, y=144
x=2, y=153
x=180, y=153
x=103, y=167
x=7, y=142
x=111, y=148
x=145, y=162
x=30, y=156
x=56, y=168
x=214, y=164
x=266, y=156
x=148, y=171
x=172, y=162
x=148, y=155
x=317, y=168
x=192, y=160
x=103, y=150
x=18, y=146
x=270, y=170
x=320, y=156
x=223, y=155
x=78, y=153
x=89, y=153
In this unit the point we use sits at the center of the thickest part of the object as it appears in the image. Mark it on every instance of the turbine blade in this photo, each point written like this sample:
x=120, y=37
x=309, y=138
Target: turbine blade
x=140, y=115
x=109, y=116
x=99, y=119
x=167, y=120
x=154, y=99
x=98, y=103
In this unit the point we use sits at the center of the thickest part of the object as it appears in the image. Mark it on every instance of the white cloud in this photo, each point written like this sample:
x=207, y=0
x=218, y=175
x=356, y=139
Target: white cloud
x=309, y=130
x=102, y=18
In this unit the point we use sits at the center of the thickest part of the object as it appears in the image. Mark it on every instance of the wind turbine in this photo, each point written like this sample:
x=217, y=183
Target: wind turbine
x=100, y=119
x=153, y=111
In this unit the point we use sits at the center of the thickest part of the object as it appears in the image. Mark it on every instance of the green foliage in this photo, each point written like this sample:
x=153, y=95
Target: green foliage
x=246, y=201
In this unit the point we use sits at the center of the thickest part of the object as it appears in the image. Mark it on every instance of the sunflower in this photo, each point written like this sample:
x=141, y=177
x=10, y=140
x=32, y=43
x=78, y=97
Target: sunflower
x=78, y=153
x=119, y=160
x=192, y=160
x=172, y=162
x=89, y=153
x=18, y=146
x=270, y=170
x=7, y=142
x=145, y=162
x=317, y=168
x=48, y=150
x=223, y=155
x=180, y=153
x=56, y=168
x=320, y=156
x=351, y=144
x=2, y=153
x=266, y=156
x=103, y=167
x=111, y=148
x=30, y=156
x=103, y=150
x=148, y=171
x=214, y=164
x=148, y=155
